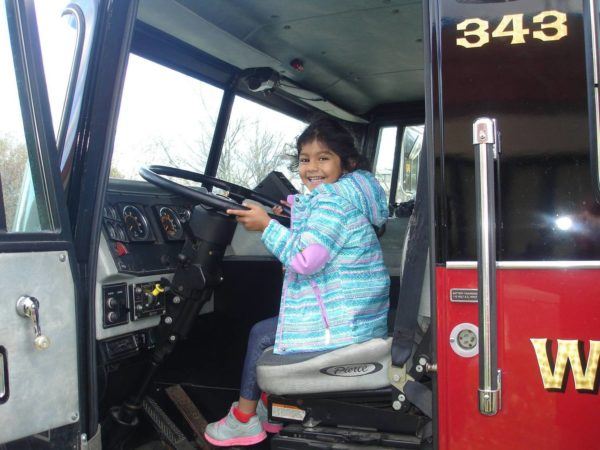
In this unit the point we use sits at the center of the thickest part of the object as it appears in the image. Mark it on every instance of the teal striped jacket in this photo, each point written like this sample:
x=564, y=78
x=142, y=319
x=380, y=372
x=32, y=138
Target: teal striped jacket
x=336, y=285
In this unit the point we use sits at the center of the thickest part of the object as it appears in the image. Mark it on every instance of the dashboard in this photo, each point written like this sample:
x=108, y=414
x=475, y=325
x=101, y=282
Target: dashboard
x=143, y=232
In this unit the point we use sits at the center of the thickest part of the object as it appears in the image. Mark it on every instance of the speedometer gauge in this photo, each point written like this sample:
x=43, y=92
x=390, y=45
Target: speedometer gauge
x=170, y=223
x=135, y=223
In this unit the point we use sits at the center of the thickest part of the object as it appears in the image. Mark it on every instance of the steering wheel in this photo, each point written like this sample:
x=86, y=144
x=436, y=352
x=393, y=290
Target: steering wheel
x=156, y=175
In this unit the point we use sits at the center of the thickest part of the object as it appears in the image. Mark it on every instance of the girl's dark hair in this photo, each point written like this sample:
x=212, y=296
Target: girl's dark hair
x=338, y=139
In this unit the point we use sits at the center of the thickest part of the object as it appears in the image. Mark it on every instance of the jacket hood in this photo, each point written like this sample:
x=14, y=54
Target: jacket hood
x=362, y=189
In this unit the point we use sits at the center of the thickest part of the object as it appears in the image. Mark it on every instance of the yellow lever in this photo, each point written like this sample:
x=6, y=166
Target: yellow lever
x=158, y=289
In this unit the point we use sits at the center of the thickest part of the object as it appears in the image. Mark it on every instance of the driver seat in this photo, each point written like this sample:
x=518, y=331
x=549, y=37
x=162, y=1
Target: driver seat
x=357, y=367
x=324, y=394
x=353, y=393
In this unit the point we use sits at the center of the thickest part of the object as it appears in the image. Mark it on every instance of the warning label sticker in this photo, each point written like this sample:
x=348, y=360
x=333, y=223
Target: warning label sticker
x=287, y=412
x=463, y=295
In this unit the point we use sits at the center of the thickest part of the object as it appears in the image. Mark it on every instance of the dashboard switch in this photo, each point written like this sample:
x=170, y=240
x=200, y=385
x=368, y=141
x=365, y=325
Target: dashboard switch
x=158, y=289
x=114, y=305
x=121, y=249
x=149, y=299
x=112, y=317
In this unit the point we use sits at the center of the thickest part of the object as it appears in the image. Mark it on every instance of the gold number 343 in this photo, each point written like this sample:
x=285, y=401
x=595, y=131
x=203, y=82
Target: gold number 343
x=552, y=27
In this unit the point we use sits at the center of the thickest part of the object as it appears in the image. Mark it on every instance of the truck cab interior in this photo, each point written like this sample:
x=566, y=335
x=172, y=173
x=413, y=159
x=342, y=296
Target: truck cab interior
x=128, y=126
x=178, y=285
x=210, y=98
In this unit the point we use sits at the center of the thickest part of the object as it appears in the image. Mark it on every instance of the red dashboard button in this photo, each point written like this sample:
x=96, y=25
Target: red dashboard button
x=121, y=249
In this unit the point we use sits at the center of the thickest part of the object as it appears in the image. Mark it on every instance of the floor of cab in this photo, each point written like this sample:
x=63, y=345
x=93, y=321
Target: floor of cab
x=209, y=401
x=208, y=363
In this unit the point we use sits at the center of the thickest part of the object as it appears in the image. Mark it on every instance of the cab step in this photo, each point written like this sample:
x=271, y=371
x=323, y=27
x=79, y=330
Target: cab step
x=168, y=431
x=190, y=413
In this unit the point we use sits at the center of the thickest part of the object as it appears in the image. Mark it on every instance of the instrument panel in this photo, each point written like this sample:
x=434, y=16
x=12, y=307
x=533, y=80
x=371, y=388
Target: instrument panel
x=129, y=222
x=145, y=231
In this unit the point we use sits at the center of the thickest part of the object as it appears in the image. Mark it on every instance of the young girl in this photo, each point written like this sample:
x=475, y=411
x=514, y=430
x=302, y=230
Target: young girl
x=336, y=286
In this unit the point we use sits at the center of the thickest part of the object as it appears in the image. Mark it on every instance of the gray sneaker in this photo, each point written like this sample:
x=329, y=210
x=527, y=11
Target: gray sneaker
x=229, y=431
x=263, y=416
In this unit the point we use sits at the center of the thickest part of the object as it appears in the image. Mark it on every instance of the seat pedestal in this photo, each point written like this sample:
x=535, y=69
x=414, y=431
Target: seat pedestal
x=369, y=411
x=299, y=437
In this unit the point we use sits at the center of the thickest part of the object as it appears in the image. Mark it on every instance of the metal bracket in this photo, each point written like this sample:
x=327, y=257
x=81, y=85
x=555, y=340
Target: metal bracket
x=485, y=133
x=490, y=399
x=398, y=377
x=83, y=442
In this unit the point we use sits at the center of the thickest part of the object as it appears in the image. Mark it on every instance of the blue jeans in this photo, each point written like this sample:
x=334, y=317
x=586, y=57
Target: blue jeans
x=262, y=336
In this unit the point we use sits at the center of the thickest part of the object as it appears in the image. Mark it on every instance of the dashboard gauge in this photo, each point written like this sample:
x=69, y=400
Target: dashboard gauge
x=110, y=229
x=120, y=232
x=170, y=223
x=109, y=211
x=184, y=215
x=135, y=223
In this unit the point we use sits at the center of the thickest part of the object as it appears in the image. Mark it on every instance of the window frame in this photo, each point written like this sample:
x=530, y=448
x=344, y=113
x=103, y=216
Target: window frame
x=221, y=119
x=400, y=154
x=373, y=141
x=63, y=124
x=592, y=31
x=155, y=45
x=39, y=134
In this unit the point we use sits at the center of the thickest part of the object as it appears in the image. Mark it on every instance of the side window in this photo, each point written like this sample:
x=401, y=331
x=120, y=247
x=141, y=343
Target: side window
x=23, y=201
x=58, y=37
x=386, y=149
x=397, y=165
x=258, y=141
x=410, y=151
x=166, y=118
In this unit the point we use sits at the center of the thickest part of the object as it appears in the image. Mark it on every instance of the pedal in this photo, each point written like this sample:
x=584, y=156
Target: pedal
x=190, y=412
x=165, y=427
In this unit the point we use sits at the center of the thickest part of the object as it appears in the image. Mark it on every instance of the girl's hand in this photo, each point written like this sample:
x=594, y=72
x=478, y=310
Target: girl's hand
x=253, y=219
x=279, y=209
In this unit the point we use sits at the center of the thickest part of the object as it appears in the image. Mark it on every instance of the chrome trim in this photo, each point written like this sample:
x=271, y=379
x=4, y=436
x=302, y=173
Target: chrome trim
x=2, y=375
x=461, y=264
x=75, y=12
x=489, y=399
x=484, y=140
x=528, y=265
x=594, y=39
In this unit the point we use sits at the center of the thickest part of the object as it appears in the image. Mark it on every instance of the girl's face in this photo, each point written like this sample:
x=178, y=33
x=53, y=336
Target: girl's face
x=318, y=165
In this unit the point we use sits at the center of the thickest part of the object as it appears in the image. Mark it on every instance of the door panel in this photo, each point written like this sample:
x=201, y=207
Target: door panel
x=532, y=303
x=39, y=373
x=42, y=383
x=497, y=61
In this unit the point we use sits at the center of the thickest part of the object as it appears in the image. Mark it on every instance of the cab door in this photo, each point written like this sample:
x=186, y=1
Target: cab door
x=39, y=373
x=517, y=216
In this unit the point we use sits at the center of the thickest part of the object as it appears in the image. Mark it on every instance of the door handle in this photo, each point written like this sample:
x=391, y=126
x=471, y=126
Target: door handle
x=486, y=152
x=29, y=307
x=3, y=376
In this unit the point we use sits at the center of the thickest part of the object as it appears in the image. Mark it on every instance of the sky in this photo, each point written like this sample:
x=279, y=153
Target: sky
x=58, y=43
